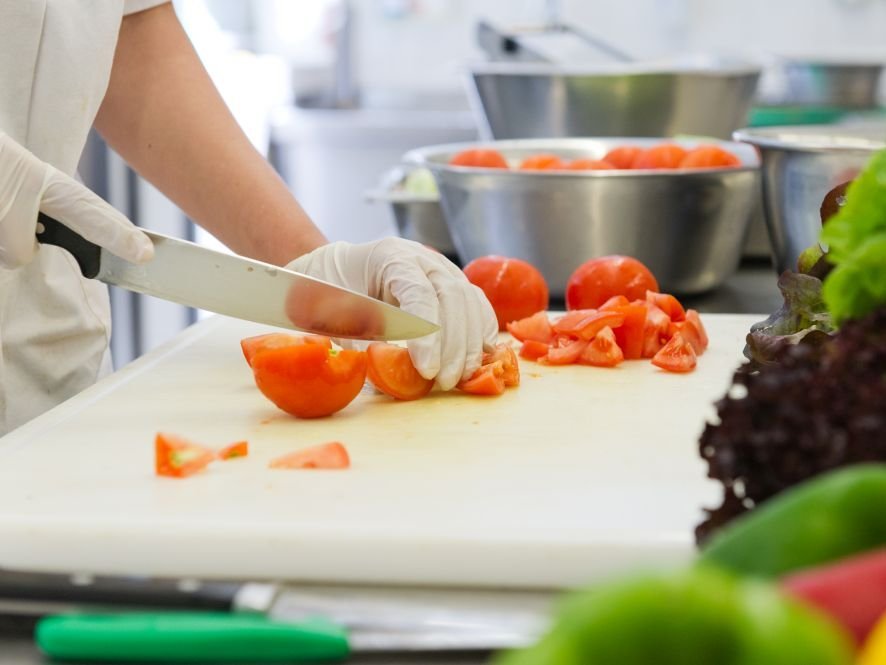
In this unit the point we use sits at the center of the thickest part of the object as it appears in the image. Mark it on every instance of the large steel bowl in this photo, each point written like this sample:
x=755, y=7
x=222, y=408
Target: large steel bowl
x=687, y=226
x=800, y=165
x=846, y=85
x=530, y=100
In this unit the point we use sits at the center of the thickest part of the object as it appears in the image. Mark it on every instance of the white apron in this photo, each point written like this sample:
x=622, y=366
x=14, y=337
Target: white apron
x=55, y=61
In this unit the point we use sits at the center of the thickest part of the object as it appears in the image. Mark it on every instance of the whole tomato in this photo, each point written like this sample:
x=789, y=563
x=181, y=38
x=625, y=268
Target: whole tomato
x=479, y=158
x=597, y=280
x=661, y=156
x=515, y=288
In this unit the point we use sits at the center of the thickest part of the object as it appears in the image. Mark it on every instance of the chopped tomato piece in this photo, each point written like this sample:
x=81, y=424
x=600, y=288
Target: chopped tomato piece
x=332, y=455
x=656, y=330
x=488, y=380
x=504, y=354
x=690, y=333
x=603, y=350
x=590, y=165
x=667, y=304
x=615, y=302
x=542, y=163
x=676, y=356
x=629, y=334
x=177, y=457
x=234, y=450
x=536, y=327
x=390, y=369
x=252, y=345
x=566, y=352
x=308, y=380
x=586, y=323
x=532, y=350
x=479, y=158
x=623, y=157
x=692, y=315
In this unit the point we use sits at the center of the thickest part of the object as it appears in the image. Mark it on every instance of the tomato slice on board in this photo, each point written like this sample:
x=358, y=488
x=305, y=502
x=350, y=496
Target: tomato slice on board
x=488, y=380
x=536, y=327
x=309, y=380
x=504, y=354
x=676, y=356
x=656, y=330
x=479, y=158
x=332, y=455
x=623, y=156
x=566, y=352
x=252, y=345
x=234, y=450
x=532, y=350
x=690, y=333
x=177, y=457
x=390, y=369
x=692, y=315
x=629, y=334
x=603, y=350
x=586, y=323
x=667, y=304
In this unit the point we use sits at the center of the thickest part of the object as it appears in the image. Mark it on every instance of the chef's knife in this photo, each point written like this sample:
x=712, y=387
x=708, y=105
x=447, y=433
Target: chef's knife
x=196, y=276
x=438, y=619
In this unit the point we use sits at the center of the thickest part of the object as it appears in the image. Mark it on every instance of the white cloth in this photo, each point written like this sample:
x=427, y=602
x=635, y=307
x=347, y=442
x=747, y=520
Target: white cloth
x=424, y=283
x=55, y=62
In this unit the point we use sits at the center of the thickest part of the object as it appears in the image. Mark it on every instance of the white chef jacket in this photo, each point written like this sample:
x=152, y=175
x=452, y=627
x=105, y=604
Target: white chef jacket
x=55, y=326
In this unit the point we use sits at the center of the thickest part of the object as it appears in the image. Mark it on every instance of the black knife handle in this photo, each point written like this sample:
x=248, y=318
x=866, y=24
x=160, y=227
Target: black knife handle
x=87, y=254
x=147, y=592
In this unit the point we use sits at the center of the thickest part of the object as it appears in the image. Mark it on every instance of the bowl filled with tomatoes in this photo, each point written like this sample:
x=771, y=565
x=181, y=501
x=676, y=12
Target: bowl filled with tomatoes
x=682, y=207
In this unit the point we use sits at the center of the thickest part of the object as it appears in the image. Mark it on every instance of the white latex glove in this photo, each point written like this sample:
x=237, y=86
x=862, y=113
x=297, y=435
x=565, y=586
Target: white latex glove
x=29, y=185
x=421, y=282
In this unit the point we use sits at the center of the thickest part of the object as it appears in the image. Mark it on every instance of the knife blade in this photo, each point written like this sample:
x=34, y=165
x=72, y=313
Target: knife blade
x=195, y=276
x=412, y=618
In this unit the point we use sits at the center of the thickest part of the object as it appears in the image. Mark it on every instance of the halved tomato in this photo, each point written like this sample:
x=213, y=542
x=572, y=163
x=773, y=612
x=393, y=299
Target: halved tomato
x=177, y=457
x=309, y=380
x=692, y=315
x=252, y=345
x=676, y=356
x=233, y=450
x=565, y=352
x=536, y=327
x=504, y=354
x=488, y=380
x=532, y=350
x=332, y=455
x=586, y=323
x=667, y=304
x=603, y=350
x=390, y=369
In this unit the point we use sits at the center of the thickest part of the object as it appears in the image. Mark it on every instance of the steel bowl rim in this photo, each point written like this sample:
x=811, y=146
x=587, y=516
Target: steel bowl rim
x=737, y=69
x=420, y=156
x=816, y=144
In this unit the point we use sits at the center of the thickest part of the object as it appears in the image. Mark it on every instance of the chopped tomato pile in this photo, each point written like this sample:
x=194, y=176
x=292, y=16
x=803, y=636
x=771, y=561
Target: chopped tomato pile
x=500, y=370
x=655, y=327
x=666, y=155
x=178, y=457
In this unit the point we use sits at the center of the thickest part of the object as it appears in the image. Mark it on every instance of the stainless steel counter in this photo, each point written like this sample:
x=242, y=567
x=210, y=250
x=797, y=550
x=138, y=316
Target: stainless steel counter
x=751, y=290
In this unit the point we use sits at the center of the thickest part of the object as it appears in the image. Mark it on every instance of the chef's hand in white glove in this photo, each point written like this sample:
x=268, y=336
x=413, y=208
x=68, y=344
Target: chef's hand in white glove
x=421, y=282
x=29, y=185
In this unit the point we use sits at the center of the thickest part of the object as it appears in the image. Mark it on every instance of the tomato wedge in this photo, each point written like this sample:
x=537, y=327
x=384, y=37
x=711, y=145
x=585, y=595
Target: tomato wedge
x=233, y=450
x=690, y=333
x=656, y=330
x=177, y=457
x=332, y=455
x=488, y=380
x=536, y=327
x=586, y=323
x=603, y=350
x=615, y=302
x=629, y=334
x=667, y=304
x=532, y=350
x=309, y=380
x=676, y=356
x=565, y=352
x=504, y=354
x=692, y=315
x=390, y=369
x=252, y=345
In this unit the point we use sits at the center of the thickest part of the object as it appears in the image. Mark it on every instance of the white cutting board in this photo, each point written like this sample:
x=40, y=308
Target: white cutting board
x=578, y=474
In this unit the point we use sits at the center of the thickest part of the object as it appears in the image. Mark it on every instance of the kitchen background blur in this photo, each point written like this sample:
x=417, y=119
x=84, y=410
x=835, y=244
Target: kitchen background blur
x=335, y=91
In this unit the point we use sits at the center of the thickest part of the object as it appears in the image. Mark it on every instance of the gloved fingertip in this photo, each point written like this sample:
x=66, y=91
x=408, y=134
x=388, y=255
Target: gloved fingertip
x=425, y=356
x=143, y=251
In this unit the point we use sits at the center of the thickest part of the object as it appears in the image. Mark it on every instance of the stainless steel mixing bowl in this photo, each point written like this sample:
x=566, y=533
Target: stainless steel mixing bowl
x=799, y=166
x=687, y=226
x=845, y=85
x=530, y=100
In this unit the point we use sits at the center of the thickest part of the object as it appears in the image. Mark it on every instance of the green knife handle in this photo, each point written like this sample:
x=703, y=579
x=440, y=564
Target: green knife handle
x=188, y=637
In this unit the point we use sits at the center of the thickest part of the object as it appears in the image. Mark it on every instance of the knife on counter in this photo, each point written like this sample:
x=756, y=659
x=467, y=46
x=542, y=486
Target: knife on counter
x=196, y=276
x=371, y=619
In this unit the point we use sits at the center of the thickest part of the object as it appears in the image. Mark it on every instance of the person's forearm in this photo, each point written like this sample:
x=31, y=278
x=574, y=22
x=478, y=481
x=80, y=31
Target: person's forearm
x=164, y=116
